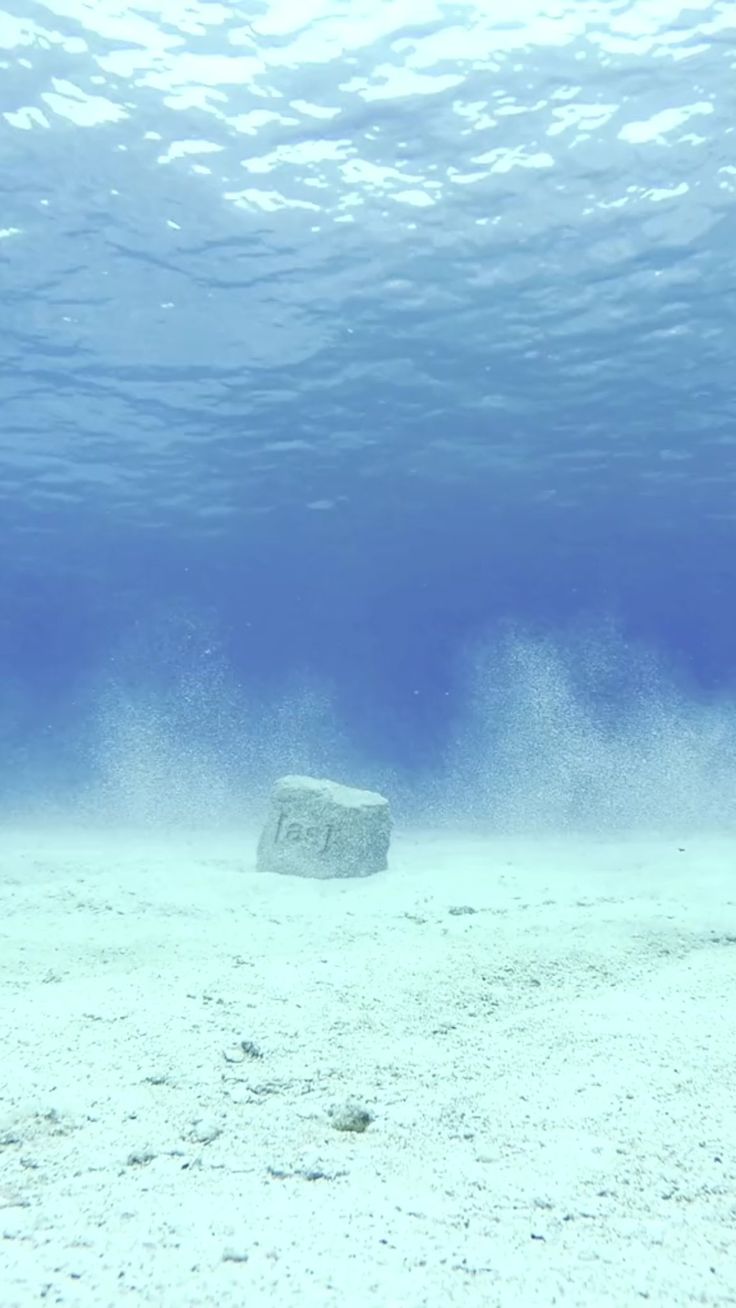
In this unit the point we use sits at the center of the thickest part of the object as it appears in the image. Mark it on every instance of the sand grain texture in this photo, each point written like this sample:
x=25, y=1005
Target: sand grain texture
x=540, y=1038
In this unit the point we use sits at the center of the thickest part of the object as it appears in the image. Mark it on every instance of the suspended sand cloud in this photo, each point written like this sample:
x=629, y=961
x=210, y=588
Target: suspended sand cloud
x=554, y=734
x=576, y=732
x=584, y=732
x=175, y=740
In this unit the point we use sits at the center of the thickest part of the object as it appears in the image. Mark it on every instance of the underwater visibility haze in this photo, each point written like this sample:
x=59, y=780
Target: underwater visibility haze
x=367, y=406
x=367, y=423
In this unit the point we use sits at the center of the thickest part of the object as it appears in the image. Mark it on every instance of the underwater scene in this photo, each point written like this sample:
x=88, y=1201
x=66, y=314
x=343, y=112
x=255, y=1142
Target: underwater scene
x=367, y=653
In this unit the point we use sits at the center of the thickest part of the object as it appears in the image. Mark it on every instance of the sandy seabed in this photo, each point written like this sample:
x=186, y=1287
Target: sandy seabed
x=543, y=1035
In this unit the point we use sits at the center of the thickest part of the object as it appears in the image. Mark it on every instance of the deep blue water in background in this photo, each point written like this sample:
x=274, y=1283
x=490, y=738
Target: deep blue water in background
x=367, y=402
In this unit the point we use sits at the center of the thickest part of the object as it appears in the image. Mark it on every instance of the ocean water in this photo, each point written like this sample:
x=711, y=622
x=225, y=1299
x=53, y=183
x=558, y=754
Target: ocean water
x=366, y=395
x=367, y=411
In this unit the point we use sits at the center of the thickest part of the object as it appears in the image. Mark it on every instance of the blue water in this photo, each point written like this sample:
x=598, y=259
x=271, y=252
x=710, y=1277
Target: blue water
x=367, y=405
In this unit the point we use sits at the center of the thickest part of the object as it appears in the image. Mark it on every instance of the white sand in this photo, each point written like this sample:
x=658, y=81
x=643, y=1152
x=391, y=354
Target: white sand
x=552, y=1076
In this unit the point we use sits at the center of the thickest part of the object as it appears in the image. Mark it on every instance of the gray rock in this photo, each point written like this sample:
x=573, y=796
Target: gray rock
x=350, y=1117
x=322, y=829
